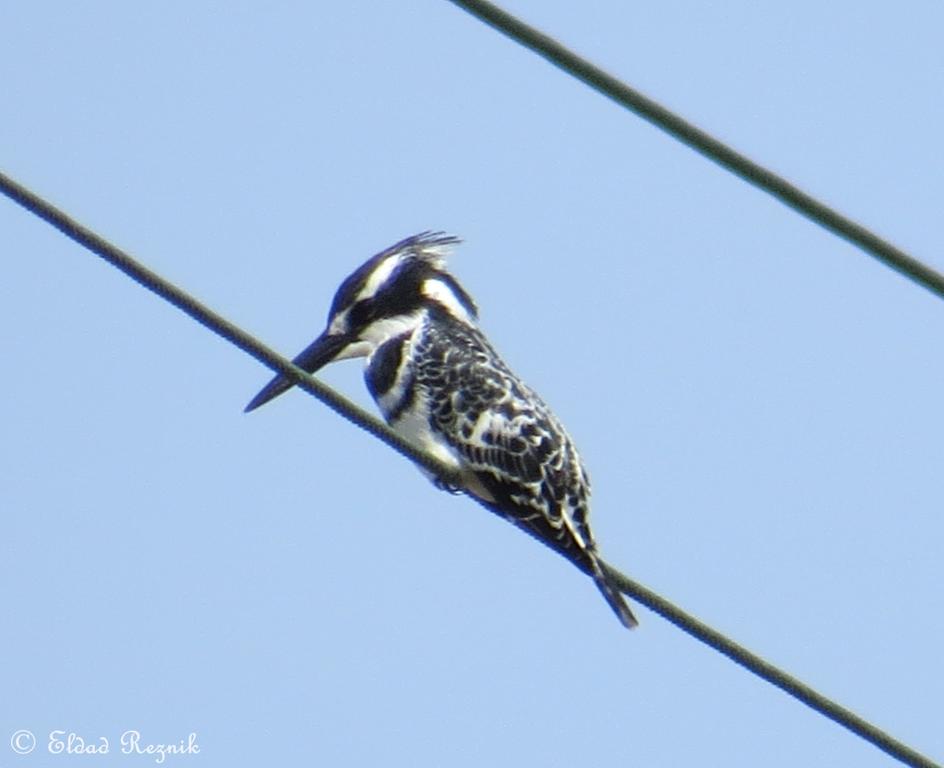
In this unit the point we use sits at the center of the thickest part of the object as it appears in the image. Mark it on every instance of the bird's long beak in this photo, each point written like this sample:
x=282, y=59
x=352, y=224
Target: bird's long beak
x=316, y=355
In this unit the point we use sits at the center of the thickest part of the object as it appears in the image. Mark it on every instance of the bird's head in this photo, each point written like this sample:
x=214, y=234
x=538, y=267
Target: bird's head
x=383, y=298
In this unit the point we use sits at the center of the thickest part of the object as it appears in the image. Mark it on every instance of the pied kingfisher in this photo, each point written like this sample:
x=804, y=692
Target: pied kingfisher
x=441, y=386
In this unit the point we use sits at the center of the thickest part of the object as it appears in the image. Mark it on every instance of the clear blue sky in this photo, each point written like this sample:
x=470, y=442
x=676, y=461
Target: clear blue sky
x=759, y=403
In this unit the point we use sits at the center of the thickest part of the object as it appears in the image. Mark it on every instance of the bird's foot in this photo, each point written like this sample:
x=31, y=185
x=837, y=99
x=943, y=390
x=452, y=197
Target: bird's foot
x=442, y=485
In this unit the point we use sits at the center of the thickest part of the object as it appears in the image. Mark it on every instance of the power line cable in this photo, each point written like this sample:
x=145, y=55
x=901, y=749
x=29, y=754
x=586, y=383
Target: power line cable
x=217, y=323
x=341, y=405
x=767, y=671
x=705, y=143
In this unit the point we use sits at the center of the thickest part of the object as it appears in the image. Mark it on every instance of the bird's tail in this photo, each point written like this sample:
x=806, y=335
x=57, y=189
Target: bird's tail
x=613, y=596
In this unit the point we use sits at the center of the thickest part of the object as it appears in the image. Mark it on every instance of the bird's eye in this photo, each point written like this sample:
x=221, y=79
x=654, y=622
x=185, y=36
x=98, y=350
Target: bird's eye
x=359, y=314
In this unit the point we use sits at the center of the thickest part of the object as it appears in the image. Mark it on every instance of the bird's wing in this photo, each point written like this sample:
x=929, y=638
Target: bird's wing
x=524, y=459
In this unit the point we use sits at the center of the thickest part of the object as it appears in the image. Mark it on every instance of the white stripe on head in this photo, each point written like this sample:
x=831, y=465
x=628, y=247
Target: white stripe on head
x=386, y=328
x=442, y=294
x=379, y=276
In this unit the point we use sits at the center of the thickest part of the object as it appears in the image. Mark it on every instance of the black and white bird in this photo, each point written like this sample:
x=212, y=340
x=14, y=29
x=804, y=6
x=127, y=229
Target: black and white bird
x=444, y=389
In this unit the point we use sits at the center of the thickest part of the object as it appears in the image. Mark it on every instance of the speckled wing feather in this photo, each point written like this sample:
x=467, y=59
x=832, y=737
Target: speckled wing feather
x=517, y=450
x=508, y=437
